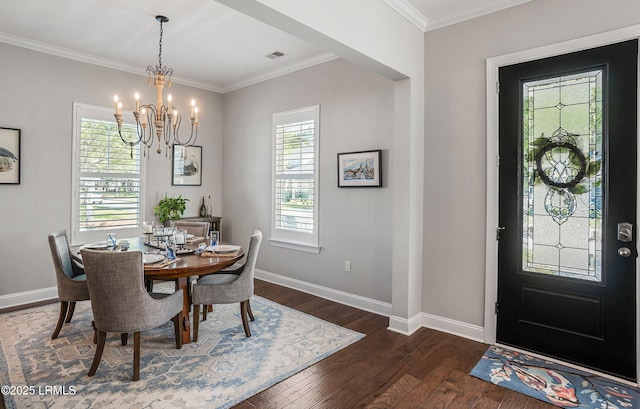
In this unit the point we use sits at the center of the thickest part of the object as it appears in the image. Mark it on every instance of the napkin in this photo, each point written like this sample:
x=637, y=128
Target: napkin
x=211, y=254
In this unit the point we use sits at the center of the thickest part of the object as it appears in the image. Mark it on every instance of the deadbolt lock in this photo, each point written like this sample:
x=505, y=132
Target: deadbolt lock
x=625, y=232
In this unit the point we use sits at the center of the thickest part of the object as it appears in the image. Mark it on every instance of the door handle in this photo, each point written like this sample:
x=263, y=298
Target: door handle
x=625, y=232
x=624, y=252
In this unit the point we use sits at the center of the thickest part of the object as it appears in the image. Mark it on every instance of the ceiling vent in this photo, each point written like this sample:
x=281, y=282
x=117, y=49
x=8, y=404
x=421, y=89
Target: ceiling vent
x=275, y=54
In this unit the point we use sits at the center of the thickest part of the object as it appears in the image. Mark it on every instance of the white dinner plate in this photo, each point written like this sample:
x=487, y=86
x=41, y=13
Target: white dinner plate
x=152, y=258
x=223, y=249
x=97, y=246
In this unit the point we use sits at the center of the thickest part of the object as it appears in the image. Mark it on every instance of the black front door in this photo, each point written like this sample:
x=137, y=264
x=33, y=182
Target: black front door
x=567, y=207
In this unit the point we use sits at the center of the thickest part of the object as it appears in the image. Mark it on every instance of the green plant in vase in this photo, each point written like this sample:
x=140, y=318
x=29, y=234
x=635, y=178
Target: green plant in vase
x=170, y=208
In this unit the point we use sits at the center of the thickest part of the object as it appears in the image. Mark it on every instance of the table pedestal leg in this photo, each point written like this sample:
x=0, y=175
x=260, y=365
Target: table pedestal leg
x=182, y=284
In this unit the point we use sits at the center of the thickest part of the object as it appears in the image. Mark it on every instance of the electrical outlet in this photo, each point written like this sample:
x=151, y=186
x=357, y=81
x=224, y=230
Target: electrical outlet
x=347, y=266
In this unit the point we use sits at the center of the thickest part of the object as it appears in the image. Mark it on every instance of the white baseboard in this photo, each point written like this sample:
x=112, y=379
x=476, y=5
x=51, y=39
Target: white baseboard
x=28, y=297
x=405, y=326
x=362, y=303
x=461, y=329
x=397, y=324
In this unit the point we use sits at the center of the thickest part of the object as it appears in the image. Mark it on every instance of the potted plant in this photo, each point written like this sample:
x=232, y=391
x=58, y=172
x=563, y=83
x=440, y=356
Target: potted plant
x=170, y=208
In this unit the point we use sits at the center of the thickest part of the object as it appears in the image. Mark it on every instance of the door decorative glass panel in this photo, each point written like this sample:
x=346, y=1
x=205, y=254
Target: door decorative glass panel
x=562, y=178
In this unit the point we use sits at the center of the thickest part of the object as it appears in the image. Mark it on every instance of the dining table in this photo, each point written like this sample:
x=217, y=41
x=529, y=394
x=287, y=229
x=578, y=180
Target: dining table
x=188, y=263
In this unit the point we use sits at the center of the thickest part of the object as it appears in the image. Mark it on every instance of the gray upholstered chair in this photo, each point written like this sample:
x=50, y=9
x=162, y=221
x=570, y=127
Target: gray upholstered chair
x=198, y=229
x=70, y=277
x=121, y=304
x=228, y=288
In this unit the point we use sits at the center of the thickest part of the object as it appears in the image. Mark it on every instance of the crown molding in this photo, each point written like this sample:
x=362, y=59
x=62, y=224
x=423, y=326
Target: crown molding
x=406, y=10
x=133, y=69
x=300, y=65
x=92, y=59
x=476, y=10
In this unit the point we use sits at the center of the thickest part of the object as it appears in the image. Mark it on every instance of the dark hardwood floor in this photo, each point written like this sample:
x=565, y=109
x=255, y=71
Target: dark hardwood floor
x=428, y=369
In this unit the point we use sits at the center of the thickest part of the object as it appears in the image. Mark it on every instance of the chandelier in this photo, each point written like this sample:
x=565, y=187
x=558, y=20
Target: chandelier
x=160, y=120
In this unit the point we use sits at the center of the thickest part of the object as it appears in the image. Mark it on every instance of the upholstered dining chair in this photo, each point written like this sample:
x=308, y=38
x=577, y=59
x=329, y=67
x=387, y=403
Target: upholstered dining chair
x=228, y=288
x=121, y=304
x=198, y=229
x=70, y=277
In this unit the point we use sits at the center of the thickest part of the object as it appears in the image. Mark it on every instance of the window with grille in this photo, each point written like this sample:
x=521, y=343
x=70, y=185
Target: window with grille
x=108, y=186
x=295, y=179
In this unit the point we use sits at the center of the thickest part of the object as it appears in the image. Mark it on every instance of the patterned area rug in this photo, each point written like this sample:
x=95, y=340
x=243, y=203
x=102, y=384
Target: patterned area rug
x=553, y=383
x=222, y=369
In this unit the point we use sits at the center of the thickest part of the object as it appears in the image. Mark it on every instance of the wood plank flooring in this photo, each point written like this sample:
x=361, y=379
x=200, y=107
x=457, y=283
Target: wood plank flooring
x=428, y=369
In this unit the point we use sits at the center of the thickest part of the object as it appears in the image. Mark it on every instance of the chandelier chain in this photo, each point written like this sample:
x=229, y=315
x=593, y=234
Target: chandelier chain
x=160, y=47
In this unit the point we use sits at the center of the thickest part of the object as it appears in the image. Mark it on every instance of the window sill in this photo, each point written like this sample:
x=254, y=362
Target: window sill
x=292, y=245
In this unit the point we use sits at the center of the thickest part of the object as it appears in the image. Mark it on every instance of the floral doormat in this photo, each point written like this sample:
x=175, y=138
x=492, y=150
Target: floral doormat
x=553, y=383
x=220, y=370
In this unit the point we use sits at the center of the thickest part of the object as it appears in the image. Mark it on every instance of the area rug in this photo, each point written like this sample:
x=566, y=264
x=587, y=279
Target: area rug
x=553, y=383
x=222, y=369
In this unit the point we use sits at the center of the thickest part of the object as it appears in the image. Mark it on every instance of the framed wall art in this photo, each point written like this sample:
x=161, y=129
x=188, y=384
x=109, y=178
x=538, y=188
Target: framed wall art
x=187, y=166
x=10, y=159
x=360, y=169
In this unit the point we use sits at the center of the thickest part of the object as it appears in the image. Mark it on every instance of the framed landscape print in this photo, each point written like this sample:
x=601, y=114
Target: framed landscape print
x=10, y=159
x=187, y=165
x=360, y=169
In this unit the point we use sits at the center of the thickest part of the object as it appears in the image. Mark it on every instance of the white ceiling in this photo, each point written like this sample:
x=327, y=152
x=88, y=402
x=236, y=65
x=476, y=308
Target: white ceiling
x=207, y=44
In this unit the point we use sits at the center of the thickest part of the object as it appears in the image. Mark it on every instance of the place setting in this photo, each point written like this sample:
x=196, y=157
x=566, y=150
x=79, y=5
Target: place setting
x=111, y=243
x=221, y=250
x=157, y=260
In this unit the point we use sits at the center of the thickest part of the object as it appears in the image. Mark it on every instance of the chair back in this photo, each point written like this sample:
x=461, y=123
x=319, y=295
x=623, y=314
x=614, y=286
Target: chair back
x=69, y=275
x=248, y=273
x=61, y=255
x=119, y=300
x=198, y=229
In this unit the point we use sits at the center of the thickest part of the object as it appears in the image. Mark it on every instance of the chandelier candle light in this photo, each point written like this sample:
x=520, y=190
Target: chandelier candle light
x=163, y=120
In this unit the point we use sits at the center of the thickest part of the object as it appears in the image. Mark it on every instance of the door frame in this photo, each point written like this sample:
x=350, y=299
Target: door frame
x=492, y=66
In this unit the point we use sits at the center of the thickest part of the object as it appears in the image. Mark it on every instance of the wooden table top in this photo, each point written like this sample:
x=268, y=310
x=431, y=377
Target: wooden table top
x=186, y=264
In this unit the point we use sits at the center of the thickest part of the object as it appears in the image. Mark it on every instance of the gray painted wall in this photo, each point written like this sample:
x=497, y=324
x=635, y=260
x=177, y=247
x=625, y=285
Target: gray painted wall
x=356, y=113
x=455, y=135
x=37, y=95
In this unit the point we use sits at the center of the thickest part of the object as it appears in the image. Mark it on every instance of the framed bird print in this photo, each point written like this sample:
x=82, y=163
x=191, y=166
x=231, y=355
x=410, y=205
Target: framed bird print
x=187, y=166
x=10, y=156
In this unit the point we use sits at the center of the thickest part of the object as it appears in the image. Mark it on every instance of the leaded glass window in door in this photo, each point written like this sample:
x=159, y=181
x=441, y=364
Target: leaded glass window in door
x=562, y=176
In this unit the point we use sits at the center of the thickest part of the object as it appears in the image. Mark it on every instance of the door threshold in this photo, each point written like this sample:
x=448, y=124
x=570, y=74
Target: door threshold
x=569, y=364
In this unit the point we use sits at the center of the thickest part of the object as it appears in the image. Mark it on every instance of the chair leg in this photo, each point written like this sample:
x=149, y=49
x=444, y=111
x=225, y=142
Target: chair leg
x=251, y=317
x=244, y=314
x=136, y=356
x=205, y=310
x=72, y=308
x=63, y=312
x=95, y=332
x=149, y=285
x=102, y=336
x=177, y=328
x=124, y=339
x=196, y=320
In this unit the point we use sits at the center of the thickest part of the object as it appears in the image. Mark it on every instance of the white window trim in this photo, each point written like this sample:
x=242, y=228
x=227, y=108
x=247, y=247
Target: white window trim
x=75, y=237
x=279, y=238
